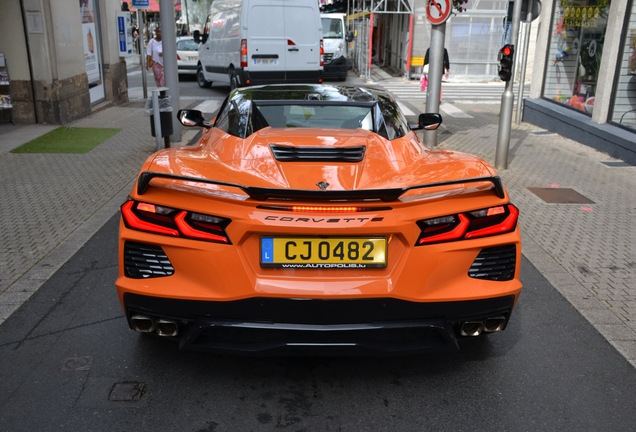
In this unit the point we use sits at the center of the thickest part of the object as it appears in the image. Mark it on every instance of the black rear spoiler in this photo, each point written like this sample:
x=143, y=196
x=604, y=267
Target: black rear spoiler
x=263, y=194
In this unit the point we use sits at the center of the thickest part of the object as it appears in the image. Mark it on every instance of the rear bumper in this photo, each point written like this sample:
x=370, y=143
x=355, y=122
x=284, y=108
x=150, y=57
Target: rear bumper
x=251, y=78
x=336, y=68
x=278, y=326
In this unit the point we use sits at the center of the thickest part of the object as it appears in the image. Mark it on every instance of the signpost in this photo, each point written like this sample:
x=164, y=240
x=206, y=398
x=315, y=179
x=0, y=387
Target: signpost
x=437, y=12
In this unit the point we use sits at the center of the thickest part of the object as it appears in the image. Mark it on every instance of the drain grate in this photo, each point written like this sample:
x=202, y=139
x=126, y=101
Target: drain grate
x=560, y=196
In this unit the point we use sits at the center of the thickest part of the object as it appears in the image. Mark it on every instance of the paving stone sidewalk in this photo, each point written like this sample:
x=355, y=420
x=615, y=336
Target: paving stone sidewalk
x=52, y=204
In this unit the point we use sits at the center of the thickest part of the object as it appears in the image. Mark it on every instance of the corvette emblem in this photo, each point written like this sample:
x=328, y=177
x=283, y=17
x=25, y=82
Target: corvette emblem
x=322, y=185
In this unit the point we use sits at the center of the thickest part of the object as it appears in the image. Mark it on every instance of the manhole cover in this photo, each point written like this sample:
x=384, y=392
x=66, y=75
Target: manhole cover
x=127, y=391
x=77, y=363
x=560, y=196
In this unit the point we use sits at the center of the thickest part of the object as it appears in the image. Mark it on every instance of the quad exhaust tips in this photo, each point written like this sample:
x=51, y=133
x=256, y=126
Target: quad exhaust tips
x=489, y=325
x=162, y=327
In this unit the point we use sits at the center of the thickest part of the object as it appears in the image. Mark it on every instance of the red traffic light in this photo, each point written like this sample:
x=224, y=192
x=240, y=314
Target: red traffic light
x=505, y=62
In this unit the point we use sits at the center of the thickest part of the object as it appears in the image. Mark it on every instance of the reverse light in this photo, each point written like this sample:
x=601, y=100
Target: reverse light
x=243, y=53
x=480, y=223
x=172, y=222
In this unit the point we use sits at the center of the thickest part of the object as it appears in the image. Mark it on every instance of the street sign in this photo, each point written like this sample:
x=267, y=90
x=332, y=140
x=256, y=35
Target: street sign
x=141, y=4
x=438, y=11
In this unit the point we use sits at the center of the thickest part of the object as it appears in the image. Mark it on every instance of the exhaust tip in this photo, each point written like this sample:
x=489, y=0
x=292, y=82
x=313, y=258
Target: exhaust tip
x=142, y=324
x=471, y=328
x=494, y=324
x=167, y=328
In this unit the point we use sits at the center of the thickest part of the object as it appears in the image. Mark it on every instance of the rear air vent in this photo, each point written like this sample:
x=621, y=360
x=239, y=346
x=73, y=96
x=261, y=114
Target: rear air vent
x=145, y=261
x=497, y=264
x=318, y=154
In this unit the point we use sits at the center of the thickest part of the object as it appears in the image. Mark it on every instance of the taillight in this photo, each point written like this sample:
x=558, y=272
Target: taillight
x=469, y=225
x=173, y=222
x=322, y=53
x=243, y=53
x=178, y=58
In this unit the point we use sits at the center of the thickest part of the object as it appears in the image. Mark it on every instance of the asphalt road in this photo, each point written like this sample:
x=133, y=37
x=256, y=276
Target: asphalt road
x=69, y=362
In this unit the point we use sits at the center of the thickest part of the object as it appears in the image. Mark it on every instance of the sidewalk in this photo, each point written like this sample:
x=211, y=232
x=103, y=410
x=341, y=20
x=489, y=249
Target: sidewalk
x=52, y=204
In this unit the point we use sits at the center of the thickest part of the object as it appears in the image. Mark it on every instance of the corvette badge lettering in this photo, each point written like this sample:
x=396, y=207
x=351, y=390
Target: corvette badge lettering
x=319, y=220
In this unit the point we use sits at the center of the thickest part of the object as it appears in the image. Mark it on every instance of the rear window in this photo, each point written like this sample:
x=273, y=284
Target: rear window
x=187, y=45
x=317, y=116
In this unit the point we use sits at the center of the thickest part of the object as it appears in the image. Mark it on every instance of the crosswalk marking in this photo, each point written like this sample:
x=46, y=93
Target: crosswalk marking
x=453, y=111
x=208, y=106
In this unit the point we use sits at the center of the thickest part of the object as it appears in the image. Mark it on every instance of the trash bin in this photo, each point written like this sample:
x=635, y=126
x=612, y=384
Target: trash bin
x=165, y=115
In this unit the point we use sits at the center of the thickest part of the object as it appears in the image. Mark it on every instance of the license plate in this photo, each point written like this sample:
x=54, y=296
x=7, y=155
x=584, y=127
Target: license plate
x=318, y=252
x=265, y=61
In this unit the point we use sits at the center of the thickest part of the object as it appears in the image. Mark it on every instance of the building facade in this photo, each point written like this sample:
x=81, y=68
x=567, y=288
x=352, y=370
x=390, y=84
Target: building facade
x=584, y=78
x=62, y=57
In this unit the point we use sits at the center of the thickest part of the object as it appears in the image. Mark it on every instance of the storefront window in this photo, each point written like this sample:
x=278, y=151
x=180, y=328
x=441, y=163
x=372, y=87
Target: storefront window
x=624, y=102
x=575, y=50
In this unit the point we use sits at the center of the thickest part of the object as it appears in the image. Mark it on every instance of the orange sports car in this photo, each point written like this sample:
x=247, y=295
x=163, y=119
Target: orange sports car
x=312, y=219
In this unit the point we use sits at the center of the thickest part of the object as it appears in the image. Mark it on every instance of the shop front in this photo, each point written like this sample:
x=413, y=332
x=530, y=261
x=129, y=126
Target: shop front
x=587, y=88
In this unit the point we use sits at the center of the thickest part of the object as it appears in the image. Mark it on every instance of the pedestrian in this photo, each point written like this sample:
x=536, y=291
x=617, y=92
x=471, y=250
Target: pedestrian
x=445, y=71
x=135, y=35
x=154, y=57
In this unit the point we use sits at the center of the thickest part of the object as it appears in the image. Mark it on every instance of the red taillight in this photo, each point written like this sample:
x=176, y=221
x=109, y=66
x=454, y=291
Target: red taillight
x=243, y=53
x=507, y=225
x=202, y=231
x=144, y=220
x=175, y=223
x=470, y=225
x=322, y=53
x=178, y=58
x=290, y=42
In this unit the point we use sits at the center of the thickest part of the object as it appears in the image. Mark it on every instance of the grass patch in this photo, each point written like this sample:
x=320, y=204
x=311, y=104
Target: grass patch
x=67, y=140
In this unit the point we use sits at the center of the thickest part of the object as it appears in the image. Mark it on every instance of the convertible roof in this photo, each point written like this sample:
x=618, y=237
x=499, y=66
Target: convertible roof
x=310, y=92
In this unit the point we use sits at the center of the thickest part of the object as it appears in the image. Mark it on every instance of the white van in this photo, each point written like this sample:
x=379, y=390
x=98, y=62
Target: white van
x=250, y=42
x=336, y=39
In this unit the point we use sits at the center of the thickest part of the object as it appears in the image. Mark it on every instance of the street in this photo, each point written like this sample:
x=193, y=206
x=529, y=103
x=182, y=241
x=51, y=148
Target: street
x=70, y=362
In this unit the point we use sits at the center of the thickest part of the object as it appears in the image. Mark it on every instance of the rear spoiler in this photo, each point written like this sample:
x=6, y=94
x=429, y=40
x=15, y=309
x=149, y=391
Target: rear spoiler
x=263, y=194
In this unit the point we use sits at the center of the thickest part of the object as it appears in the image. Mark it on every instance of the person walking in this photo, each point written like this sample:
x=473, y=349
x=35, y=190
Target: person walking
x=445, y=71
x=154, y=57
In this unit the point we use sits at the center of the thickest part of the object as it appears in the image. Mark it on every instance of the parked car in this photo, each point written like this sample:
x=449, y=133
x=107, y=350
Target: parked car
x=252, y=42
x=312, y=219
x=187, y=55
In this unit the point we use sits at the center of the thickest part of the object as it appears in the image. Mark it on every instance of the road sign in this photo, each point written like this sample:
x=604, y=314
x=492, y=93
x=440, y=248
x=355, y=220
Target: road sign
x=140, y=4
x=438, y=11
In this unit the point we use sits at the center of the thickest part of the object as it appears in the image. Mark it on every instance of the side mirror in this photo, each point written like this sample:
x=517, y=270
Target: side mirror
x=349, y=36
x=197, y=36
x=191, y=118
x=428, y=121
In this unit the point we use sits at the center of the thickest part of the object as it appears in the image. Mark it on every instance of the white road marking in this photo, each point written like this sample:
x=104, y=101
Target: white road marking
x=405, y=110
x=208, y=106
x=453, y=111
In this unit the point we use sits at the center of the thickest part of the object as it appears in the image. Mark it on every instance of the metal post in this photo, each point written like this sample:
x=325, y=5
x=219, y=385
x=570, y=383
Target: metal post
x=435, y=72
x=157, y=120
x=169, y=41
x=142, y=53
x=524, y=60
x=507, y=100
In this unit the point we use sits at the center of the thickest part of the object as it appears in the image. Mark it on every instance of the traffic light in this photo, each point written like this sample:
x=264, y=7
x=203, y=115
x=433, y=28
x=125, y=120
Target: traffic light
x=505, y=62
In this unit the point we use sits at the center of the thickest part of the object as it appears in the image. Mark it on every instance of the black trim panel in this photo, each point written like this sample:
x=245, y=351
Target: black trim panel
x=274, y=326
x=263, y=194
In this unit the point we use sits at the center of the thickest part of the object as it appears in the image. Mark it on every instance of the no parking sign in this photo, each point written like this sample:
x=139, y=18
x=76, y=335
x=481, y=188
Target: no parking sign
x=438, y=11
